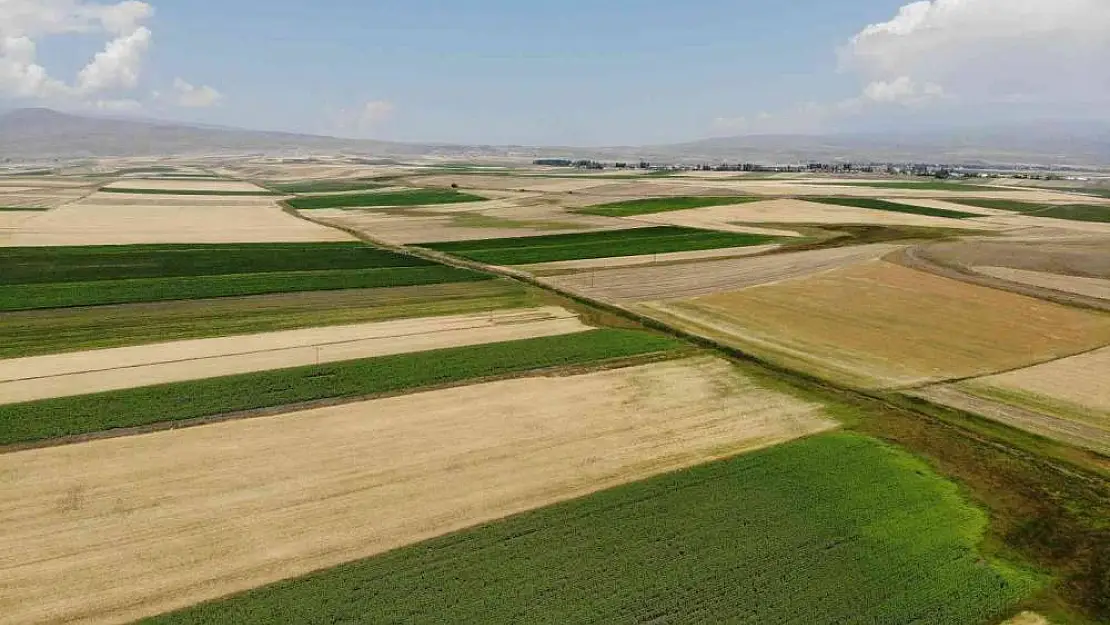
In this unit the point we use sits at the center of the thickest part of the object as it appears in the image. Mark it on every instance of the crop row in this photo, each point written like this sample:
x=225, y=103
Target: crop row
x=418, y=197
x=69, y=416
x=40, y=265
x=662, y=205
x=638, y=241
x=833, y=529
x=893, y=207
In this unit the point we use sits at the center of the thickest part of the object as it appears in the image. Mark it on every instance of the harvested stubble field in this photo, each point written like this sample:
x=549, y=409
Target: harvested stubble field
x=184, y=187
x=1098, y=288
x=833, y=529
x=81, y=373
x=37, y=332
x=416, y=197
x=693, y=279
x=661, y=205
x=559, y=247
x=90, y=276
x=122, y=219
x=360, y=479
x=881, y=325
x=185, y=401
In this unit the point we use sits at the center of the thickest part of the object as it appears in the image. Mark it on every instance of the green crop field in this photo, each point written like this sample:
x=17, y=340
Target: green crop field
x=833, y=529
x=637, y=241
x=24, y=208
x=396, y=198
x=38, y=332
x=1072, y=212
x=184, y=192
x=41, y=420
x=37, y=265
x=894, y=207
x=327, y=186
x=100, y=293
x=661, y=205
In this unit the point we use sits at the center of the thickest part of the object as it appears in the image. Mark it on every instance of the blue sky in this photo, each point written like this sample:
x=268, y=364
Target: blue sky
x=567, y=72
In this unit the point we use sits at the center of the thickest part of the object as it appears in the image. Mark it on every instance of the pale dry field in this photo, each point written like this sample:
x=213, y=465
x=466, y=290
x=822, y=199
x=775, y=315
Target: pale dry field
x=877, y=324
x=678, y=281
x=198, y=184
x=1091, y=287
x=114, y=530
x=801, y=212
x=120, y=219
x=508, y=183
x=1082, y=380
x=80, y=373
x=647, y=259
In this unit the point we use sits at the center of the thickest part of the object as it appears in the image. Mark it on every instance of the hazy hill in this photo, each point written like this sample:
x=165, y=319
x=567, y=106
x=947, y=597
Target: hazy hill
x=32, y=134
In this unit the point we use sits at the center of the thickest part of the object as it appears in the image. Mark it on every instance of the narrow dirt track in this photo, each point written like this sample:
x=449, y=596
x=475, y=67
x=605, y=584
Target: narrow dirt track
x=60, y=375
x=110, y=531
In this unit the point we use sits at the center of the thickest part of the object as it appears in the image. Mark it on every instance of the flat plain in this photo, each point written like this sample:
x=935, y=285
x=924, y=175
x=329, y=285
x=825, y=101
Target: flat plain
x=353, y=481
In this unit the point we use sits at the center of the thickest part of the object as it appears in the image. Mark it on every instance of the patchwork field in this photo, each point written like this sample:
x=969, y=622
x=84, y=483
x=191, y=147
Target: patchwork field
x=635, y=242
x=79, y=373
x=821, y=523
x=354, y=481
x=416, y=197
x=882, y=325
x=192, y=185
x=66, y=276
x=123, y=219
x=682, y=280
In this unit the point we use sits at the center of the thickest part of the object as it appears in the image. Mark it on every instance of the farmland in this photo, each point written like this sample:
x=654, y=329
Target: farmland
x=182, y=401
x=894, y=207
x=1096, y=213
x=915, y=185
x=37, y=332
x=142, y=191
x=351, y=481
x=822, y=523
x=326, y=186
x=661, y=205
x=421, y=197
x=543, y=249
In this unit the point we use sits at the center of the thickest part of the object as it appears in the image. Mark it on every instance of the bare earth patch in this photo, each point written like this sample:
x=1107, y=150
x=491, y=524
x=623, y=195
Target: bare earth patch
x=881, y=325
x=79, y=373
x=121, y=219
x=114, y=530
x=713, y=276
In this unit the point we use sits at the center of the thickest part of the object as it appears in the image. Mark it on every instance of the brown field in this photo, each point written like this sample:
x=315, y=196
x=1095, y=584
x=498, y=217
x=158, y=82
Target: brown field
x=114, y=530
x=802, y=212
x=184, y=185
x=878, y=324
x=1091, y=287
x=120, y=219
x=646, y=259
x=1082, y=380
x=682, y=280
x=80, y=373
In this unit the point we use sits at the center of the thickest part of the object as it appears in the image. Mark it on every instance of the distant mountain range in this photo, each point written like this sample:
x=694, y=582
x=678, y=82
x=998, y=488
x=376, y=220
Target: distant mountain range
x=38, y=134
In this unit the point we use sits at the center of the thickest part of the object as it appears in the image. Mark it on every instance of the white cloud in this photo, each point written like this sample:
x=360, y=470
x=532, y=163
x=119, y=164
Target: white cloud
x=901, y=90
x=190, y=96
x=985, y=51
x=118, y=65
x=374, y=113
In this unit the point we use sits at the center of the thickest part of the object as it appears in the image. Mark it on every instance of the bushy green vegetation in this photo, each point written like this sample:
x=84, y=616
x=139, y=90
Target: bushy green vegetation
x=1072, y=212
x=834, y=529
x=637, y=241
x=37, y=332
x=418, y=197
x=327, y=186
x=894, y=207
x=37, y=265
x=184, y=192
x=69, y=416
x=99, y=293
x=662, y=205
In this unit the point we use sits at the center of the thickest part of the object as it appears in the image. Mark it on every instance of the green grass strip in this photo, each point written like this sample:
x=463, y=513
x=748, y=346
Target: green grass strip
x=929, y=185
x=397, y=198
x=661, y=205
x=98, y=293
x=838, y=528
x=39, y=265
x=327, y=186
x=28, y=209
x=1095, y=213
x=634, y=242
x=52, y=418
x=892, y=207
x=184, y=192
